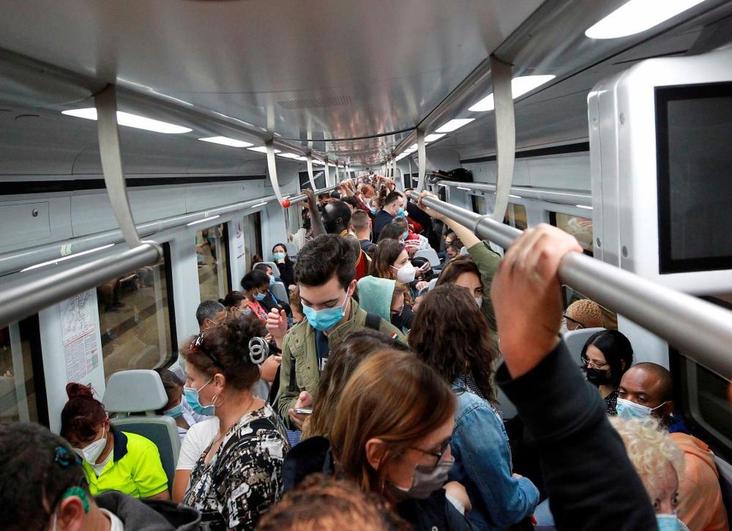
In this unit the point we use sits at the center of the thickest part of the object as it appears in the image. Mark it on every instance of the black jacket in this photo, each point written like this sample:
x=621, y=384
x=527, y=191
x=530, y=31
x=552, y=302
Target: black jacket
x=382, y=219
x=314, y=455
x=152, y=515
x=287, y=273
x=590, y=481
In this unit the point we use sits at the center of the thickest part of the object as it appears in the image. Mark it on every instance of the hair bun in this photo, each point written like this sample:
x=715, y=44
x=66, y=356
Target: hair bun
x=77, y=390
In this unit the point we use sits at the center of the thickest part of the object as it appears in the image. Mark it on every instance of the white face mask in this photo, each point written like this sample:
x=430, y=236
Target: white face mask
x=406, y=273
x=91, y=452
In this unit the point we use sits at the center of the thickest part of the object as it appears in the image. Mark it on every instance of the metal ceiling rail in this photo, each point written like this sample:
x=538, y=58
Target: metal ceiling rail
x=543, y=194
x=698, y=329
x=21, y=298
x=18, y=260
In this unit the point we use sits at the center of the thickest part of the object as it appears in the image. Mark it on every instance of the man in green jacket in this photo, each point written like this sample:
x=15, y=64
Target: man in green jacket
x=325, y=274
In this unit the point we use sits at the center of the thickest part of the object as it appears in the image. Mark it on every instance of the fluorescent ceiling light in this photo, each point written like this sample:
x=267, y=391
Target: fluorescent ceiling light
x=402, y=155
x=292, y=156
x=69, y=257
x=131, y=120
x=454, y=125
x=225, y=141
x=514, y=196
x=519, y=87
x=637, y=16
x=262, y=149
x=584, y=207
x=204, y=220
x=433, y=137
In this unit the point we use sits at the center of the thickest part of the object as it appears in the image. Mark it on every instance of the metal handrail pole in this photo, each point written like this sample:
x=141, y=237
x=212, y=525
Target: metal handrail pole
x=25, y=296
x=301, y=197
x=543, y=194
x=699, y=329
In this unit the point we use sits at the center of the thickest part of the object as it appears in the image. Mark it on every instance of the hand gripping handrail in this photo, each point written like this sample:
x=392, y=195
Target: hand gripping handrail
x=698, y=329
x=301, y=197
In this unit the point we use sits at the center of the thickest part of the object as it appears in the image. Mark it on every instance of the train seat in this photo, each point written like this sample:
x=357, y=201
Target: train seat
x=132, y=397
x=275, y=269
x=280, y=292
x=576, y=339
x=430, y=254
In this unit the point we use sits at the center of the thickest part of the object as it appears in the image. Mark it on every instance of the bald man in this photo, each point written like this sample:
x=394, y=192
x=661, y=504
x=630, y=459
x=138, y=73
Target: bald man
x=647, y=389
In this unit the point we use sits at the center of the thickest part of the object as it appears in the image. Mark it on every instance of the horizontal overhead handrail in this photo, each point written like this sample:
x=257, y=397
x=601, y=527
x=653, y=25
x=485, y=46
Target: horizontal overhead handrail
x=24, y=297
x=302, y=197
x=543, y=194
x=698, y=329
x=18, y=260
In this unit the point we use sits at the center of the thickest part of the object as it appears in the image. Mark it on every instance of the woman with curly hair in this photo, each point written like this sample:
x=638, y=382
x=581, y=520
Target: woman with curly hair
x=240, y=474
x=452, y=336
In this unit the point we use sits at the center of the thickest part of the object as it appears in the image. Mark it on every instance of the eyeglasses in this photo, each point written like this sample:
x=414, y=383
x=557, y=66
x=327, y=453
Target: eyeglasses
x=574, y=321
x=593, y=364
x=439, y=453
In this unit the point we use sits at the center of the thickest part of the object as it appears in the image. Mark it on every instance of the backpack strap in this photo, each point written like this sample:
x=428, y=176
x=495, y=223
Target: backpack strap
x=373, y=321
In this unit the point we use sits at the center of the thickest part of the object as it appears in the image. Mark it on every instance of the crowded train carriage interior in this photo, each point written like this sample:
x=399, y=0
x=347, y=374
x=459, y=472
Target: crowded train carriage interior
x=366, y=265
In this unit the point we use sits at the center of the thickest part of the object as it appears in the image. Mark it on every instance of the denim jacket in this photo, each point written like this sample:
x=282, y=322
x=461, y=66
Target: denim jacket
x=483, y=465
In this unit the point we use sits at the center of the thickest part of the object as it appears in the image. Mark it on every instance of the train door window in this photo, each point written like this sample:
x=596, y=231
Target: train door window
x=252, y=240
x=136, y=319
x=212, y=254
x=478, y=204
x=22, y=386
x=516, y=216
x=578, y=226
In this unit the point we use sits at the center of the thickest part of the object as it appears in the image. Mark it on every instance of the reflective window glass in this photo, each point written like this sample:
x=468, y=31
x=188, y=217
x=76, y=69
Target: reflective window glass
x=19, y=390
x=578, y=226
x=212, y=256
x=516, y=216
x=135, y=319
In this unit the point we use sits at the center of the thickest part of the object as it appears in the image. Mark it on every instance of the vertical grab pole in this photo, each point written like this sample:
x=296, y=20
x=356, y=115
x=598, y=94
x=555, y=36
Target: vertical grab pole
x=114, y=178
x=505, y=134
x=422, y=159
x=311, y=176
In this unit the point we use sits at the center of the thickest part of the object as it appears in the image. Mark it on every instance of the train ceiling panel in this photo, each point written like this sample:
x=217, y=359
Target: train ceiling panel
x=320, y=69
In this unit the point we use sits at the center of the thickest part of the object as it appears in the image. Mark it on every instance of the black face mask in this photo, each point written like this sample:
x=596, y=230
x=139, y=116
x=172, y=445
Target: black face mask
x=597, y=377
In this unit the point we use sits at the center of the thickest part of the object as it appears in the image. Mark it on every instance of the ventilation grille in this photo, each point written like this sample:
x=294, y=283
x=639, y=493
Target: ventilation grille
x=317, y=102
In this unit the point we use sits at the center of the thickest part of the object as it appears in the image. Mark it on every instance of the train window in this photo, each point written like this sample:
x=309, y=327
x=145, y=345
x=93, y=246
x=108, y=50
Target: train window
x=516, y=216
x=212, y=254
x=22, y=386
x=136, y=318
x=479, y=204
x=578, y=226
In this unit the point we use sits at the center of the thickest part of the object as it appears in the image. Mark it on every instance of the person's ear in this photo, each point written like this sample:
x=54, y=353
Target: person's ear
x=352, y=286
x=70, y=514
x=219, y=382
x=375, y=452
x=667, y=409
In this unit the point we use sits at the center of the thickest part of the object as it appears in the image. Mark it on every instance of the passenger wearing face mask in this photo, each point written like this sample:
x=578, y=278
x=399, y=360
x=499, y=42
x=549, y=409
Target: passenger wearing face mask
x=660, y=465
x=325, y=274
x=646, y=390
x=402, y=453
x=284, y=264
x=176, y=407
x=112, y=459
x=386, y=298
x=474, y=272
x=605, y=357
x=53, y=494
x=447, y=316
x=255, y=286
x=392, y=261
x=392, y=207
x=239, y=475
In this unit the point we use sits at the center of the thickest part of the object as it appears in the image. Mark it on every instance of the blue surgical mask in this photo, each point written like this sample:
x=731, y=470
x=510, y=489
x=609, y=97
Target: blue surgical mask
x=630, y=410
x=669, y=522
x=192, y=397
x=405, y=234
x=175, y=411
x=326, y=318
x=260, y=296
x=272, y=281
x=400, y=213
x=278, y=256
x=374, y=210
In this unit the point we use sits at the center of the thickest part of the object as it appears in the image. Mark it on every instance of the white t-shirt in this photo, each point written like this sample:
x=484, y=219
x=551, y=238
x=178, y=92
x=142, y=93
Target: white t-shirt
x=198, y=438
x=117, y=524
